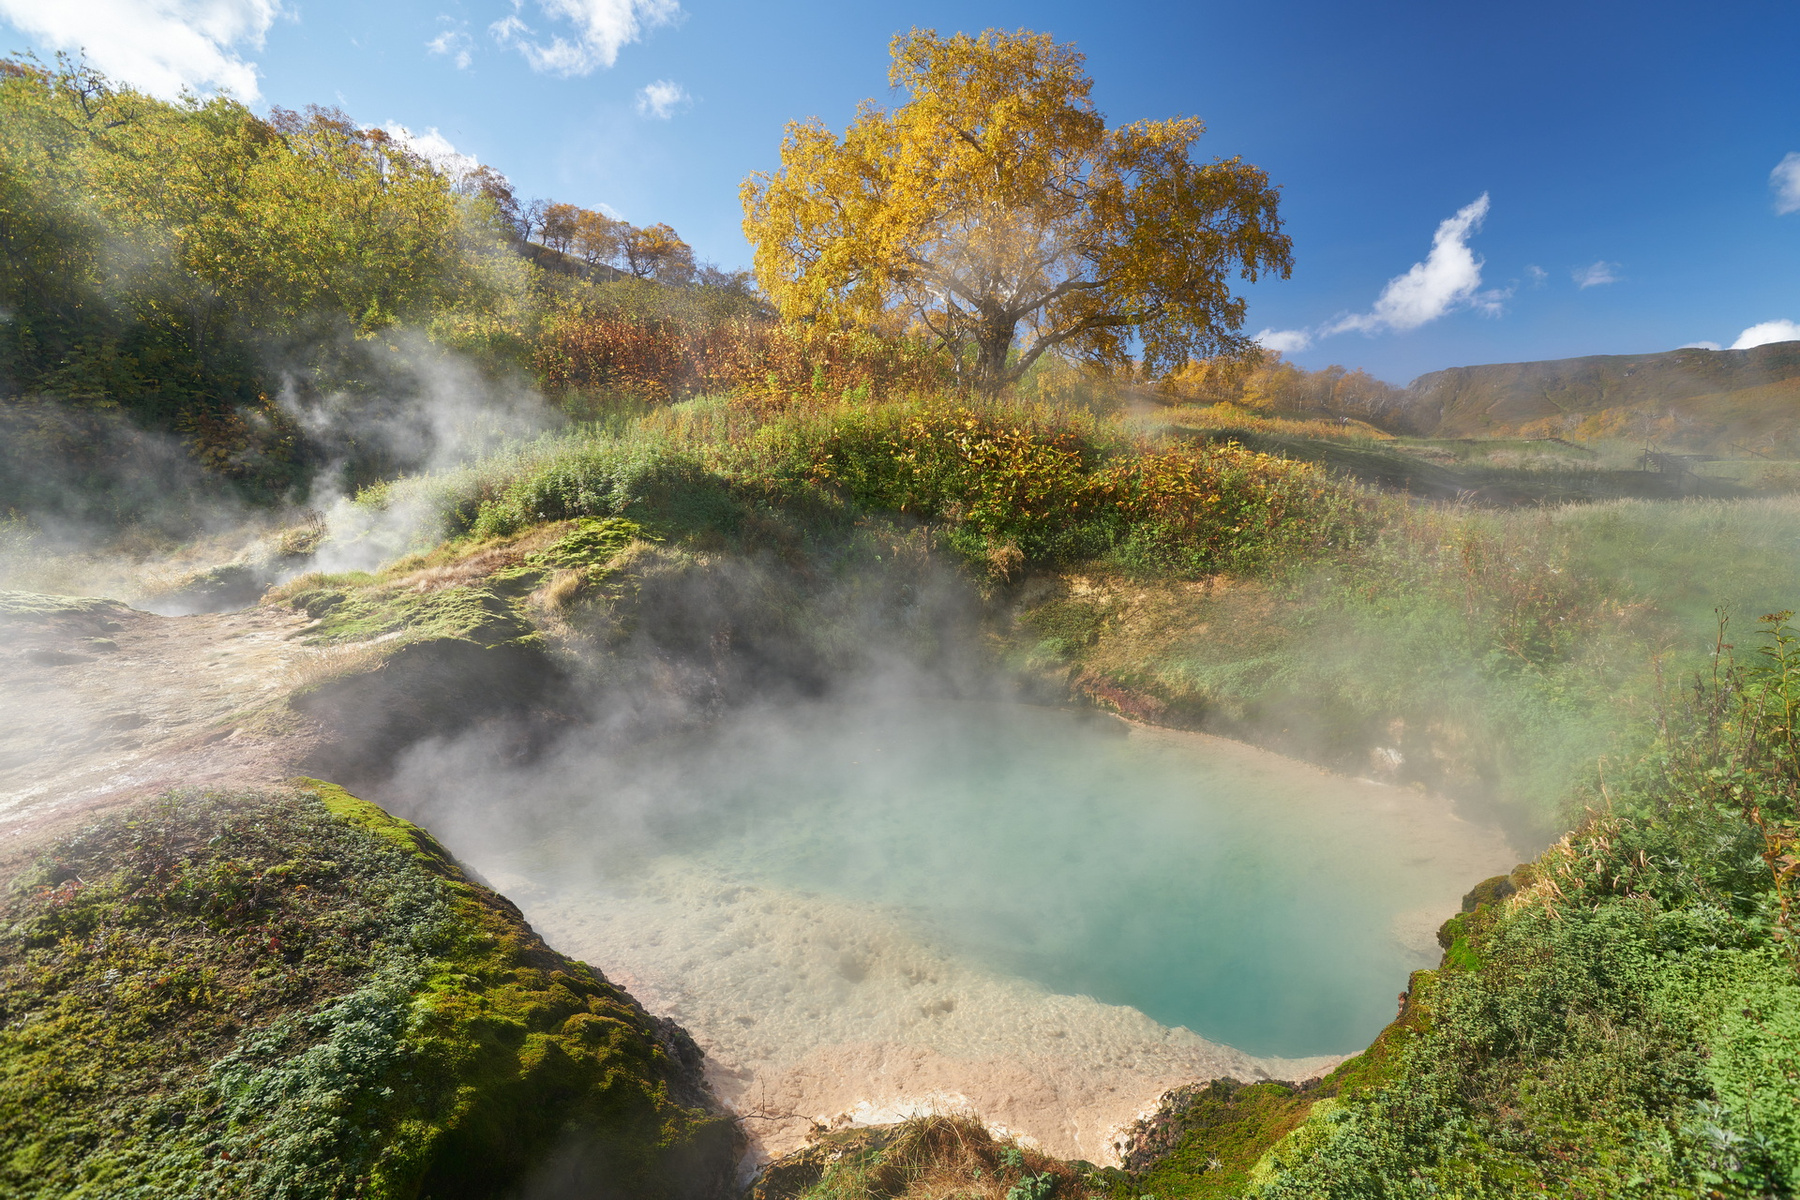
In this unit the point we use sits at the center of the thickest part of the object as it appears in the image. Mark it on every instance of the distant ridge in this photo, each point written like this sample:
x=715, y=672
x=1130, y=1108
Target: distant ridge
x=1691, y=396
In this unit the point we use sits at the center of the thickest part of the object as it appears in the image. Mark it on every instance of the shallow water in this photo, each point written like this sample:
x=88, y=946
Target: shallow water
x=1254, y=900
x=864, y=910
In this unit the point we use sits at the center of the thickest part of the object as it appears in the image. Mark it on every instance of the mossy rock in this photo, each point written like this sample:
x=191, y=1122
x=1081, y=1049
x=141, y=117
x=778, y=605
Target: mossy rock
x=295, y=995
x=1205, y=1140
x=476, y=614
x=38, y=606
x=1489, y=891
x=920, y=1159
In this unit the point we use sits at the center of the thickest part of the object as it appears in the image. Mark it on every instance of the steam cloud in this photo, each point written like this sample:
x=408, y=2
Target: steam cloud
x=421, y=409
x=836, y=831
x=435, y=411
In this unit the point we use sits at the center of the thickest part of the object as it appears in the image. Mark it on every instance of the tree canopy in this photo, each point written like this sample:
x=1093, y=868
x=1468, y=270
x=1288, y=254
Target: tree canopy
x=194, y=269
x=996, y=197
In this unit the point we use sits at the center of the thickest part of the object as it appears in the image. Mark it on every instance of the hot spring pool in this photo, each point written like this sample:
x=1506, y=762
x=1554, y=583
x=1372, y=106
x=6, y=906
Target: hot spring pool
x=819, y=892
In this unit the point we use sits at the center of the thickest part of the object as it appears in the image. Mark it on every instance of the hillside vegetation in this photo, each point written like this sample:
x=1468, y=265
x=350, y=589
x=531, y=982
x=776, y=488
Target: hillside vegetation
x=1704, y=400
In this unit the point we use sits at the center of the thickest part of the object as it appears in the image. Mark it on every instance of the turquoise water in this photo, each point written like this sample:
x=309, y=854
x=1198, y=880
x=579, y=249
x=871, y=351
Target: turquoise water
x=1251, y=899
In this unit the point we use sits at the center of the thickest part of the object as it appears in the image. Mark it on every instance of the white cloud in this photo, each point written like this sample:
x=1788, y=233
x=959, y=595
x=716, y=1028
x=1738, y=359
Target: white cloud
x=160, y=46
x=602, y=27
x=434, y=148
x=1768, y=331
x=1595, y=275
x=660, y=98
x=1785, y=179
x=1449, y=278
x=1698, y=346
x=1536, y=274
x=456, y=45
x=1283, y=341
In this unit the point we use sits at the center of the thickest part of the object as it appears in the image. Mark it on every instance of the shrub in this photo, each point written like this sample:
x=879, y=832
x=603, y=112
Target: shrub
x=1055, y=487
x=660, y=359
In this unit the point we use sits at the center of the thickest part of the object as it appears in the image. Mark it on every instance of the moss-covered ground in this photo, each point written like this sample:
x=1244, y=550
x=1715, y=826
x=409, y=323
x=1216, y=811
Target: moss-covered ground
x=295, y=995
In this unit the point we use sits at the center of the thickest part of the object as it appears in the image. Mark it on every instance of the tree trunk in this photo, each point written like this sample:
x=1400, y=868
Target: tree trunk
x=992, y=346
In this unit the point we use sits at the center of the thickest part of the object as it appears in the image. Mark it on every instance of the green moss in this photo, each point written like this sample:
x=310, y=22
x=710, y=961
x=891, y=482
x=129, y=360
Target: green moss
x=593, y=544
x=1225, y=1128
x=360, y=813
x=482, y=615
x=296, y=995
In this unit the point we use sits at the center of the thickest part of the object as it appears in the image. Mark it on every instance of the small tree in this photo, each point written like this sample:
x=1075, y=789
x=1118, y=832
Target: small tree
x=597, y=237
x=559, y=224
x=485, y=183
x=655, y=252
x=996, y=197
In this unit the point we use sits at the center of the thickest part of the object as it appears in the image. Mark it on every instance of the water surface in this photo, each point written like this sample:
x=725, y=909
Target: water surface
x=1258, y=902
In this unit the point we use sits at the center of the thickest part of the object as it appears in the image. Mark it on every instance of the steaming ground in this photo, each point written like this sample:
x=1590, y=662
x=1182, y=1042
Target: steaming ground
x=100, y=702
x=871, y=907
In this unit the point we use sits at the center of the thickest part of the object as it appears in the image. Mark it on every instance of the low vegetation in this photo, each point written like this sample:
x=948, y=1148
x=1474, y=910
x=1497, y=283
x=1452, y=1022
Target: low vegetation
x=925, y=1157
x=295, y=995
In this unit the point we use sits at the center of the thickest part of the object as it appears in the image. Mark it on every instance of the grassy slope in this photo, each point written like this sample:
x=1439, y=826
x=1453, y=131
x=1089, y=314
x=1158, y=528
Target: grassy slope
x=295, y=995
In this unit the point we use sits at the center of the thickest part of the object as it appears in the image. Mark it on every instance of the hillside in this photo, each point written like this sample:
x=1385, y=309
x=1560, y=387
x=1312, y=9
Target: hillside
x=1696, y=399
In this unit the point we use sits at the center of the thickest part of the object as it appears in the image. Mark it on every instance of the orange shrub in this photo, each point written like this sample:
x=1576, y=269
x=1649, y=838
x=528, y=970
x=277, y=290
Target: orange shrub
x=657, y=360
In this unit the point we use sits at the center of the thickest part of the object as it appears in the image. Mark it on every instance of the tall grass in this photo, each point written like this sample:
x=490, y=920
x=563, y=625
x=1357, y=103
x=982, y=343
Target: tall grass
x=595, y=359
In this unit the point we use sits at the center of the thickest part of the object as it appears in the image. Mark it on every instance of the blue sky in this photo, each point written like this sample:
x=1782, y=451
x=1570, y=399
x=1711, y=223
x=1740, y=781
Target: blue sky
x=1633, y=156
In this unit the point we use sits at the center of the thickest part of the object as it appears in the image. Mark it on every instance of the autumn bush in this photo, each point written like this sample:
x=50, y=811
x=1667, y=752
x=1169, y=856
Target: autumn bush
x=592, y=358
x=1060, y=487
